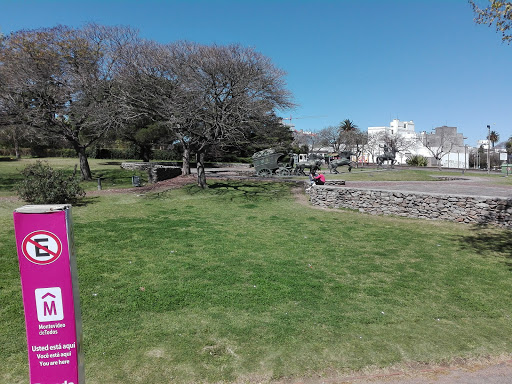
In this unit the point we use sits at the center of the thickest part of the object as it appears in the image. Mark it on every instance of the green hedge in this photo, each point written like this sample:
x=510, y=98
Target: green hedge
x=130, y=153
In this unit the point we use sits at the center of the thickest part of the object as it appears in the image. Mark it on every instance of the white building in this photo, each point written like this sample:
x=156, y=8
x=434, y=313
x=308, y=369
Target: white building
x=443, y=140
x=403, y=131
x=483, y=143
x=396, y=127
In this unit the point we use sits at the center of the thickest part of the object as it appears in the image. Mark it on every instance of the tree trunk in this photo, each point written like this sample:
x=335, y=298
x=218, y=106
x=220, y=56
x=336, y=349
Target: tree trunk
x=85, y=171
x=145, y=152
x=201, y=175
x=185, y=167
x=17, y=148
x=439, y=164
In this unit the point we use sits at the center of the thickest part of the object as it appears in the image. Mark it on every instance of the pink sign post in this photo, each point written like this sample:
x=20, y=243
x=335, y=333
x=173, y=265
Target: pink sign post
x=44, y=239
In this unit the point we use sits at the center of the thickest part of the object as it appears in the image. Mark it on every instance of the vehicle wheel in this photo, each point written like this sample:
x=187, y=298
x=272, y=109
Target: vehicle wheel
x=283, y=172
x=265, y=172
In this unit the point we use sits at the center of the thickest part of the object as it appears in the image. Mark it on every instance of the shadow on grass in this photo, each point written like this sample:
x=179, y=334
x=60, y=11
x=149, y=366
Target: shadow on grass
x=9, y=184
x=88, y=200
x=111, y=163
x=487, y=242
x=243, y=190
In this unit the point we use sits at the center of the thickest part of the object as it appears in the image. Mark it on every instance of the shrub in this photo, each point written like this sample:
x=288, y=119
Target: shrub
x=417, y=161
x=43, y=185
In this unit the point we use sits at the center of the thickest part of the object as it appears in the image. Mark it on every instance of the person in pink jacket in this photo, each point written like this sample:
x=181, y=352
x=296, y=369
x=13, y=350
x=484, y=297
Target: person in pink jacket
x=318, y=179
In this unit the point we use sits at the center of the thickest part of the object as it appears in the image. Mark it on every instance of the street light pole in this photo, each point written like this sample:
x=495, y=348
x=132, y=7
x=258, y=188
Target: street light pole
x=488, y=149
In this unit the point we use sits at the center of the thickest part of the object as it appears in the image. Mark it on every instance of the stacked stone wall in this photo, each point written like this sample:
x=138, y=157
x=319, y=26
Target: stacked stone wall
x=136, y=166
x=431, y=206
x=156, y=172
x=162, y=172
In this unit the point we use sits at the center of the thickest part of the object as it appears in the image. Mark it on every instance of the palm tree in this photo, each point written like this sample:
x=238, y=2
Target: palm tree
x=494, y=137
x=347, y=125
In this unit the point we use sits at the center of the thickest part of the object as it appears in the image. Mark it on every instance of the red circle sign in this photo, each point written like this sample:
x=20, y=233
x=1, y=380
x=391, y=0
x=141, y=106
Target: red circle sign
x=41, y=247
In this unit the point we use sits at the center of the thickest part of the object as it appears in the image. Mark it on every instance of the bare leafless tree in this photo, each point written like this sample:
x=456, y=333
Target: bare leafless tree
x=13, y=128
x=204, y=95
x=354, y=141
x=66, y=76
x=399, y=142
x=230, y=86
x=79, y=84
x=307, y=140
x=373, y=144
x=152, y=86
x=330, y=137
x=438, y=144
x=345, y=137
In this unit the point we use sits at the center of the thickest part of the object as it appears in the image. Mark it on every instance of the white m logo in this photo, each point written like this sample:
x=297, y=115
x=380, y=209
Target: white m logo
x=49, y=304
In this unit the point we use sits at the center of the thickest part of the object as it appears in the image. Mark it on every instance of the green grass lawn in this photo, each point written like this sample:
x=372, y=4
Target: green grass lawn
x=109, y=170
x=241, y=283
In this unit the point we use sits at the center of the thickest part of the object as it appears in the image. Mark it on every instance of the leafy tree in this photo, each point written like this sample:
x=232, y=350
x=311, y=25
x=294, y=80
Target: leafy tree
x=144, y=134
x=494, y=137
x=482, y=158
x=261, y=133
x=498, y=13
x=347, y=125
x=508, y=146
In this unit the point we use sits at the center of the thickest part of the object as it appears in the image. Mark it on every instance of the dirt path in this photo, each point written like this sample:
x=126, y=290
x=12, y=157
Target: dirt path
x=488, y=371
x=161, y=186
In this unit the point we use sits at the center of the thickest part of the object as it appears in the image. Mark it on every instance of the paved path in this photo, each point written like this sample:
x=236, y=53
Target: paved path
x=471, y=186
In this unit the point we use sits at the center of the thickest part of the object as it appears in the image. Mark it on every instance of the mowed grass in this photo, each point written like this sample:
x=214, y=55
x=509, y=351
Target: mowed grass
x=241, y=283
x=110, y=172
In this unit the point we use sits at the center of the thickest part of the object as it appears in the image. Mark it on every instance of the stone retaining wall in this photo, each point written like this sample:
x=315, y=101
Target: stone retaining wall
x=431, y=206
x=163, y=172
x=156, y=172
x=136, y=166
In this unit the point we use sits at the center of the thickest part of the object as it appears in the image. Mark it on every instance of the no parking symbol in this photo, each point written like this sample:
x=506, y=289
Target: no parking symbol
x=49, y=283
x=41, y=247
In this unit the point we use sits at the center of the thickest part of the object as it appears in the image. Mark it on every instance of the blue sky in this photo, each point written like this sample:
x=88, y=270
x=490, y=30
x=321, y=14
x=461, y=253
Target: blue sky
x=369, y=61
